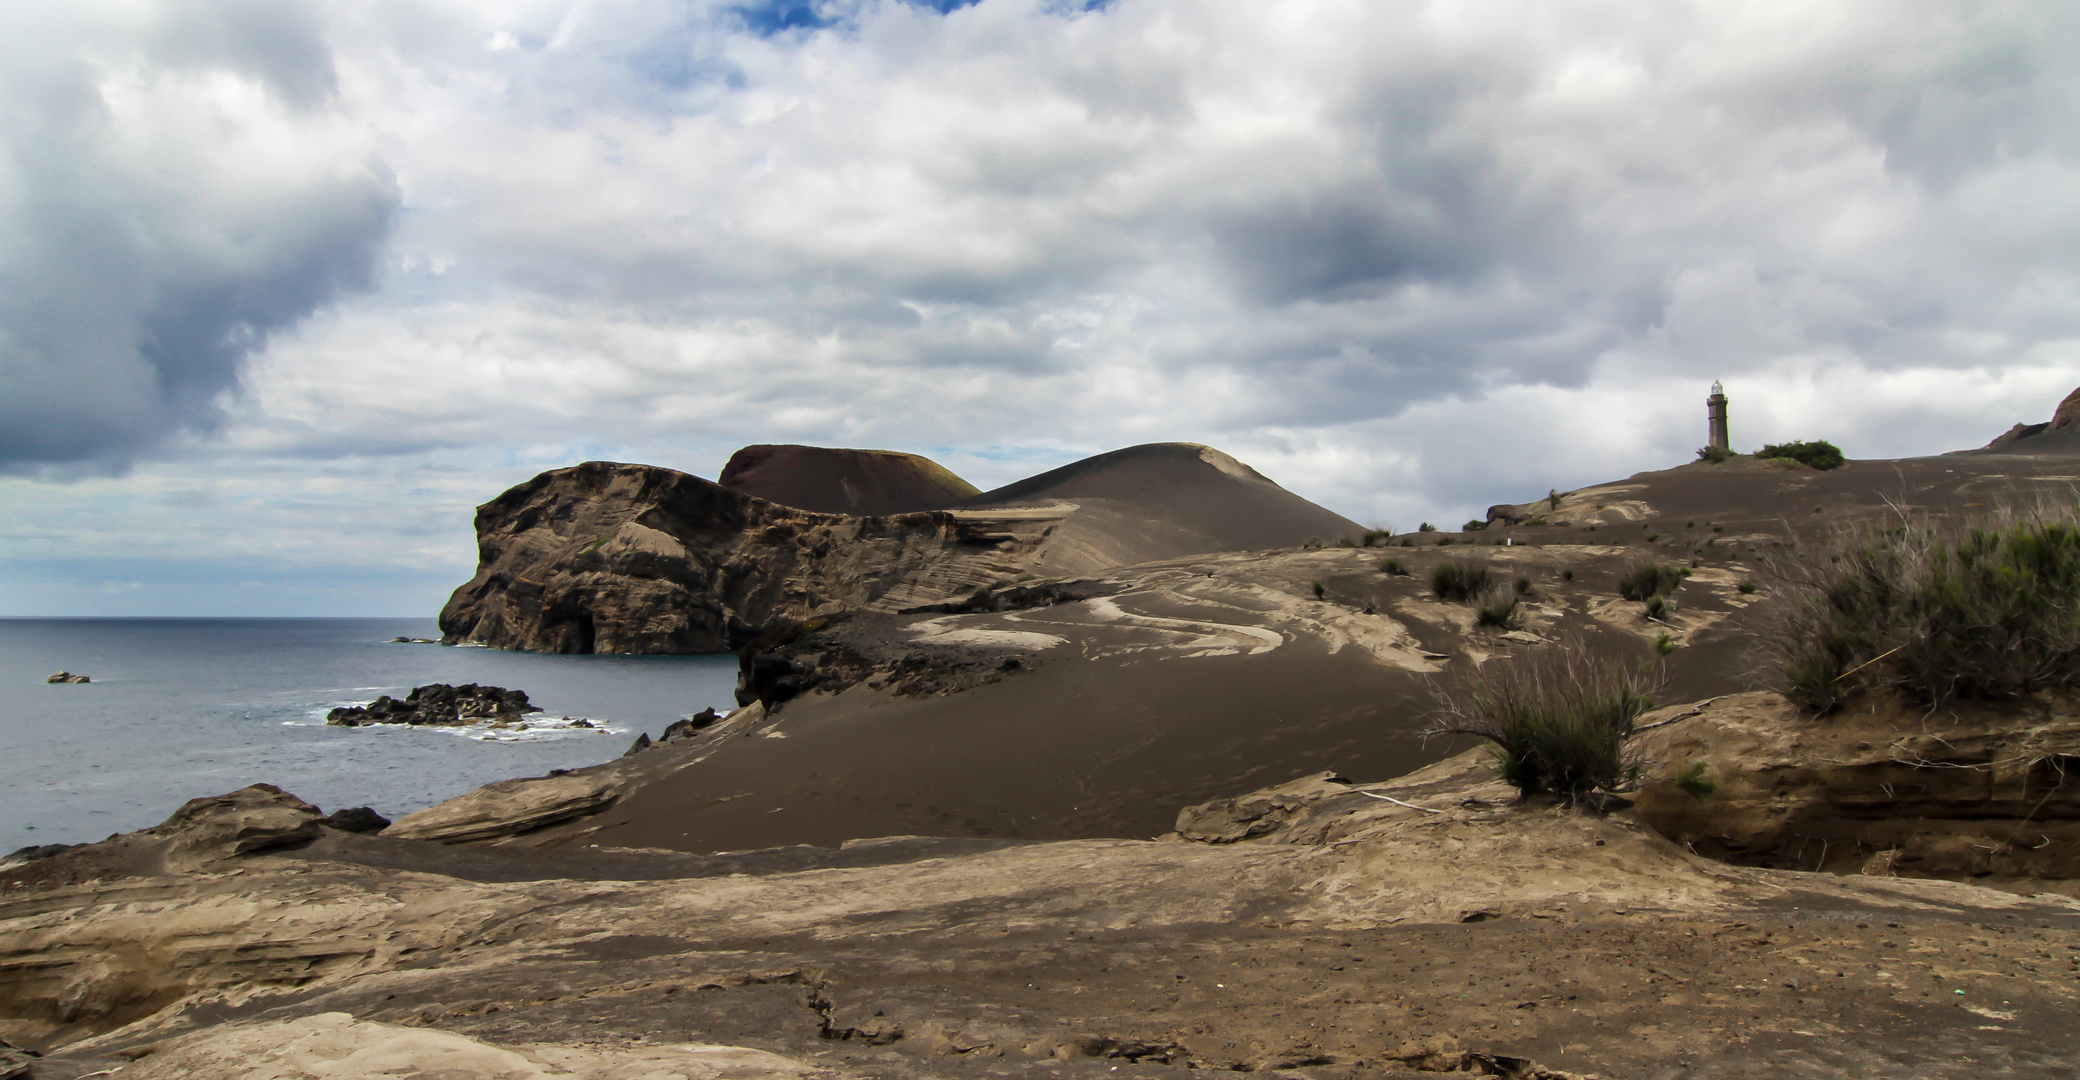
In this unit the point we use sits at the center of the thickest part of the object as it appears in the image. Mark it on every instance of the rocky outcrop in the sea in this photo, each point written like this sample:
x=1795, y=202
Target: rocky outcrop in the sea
x=438, y=704
x=66, y=677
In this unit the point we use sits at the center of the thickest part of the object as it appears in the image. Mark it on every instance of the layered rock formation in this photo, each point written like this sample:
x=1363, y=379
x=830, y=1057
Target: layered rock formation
x=1880, y=786
x=862, y=483
x=615, y=558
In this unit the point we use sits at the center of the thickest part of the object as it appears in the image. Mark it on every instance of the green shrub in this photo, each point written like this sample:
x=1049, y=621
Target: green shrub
x=1646, y=580
x=1713, y=454
x=1457, y=579
x=1444, y=541
x=1474, y=525
x=1655, y=606
x=1523, y=586
x=1984, y=611
x=1567, y=575
x=1426, y=527
x=1664, y=643
x=1696, y=781
x=1319, y=589
x=1376, y=537
x=1497, y=607
x=1552, y=499
x=1747, y=586
x=1558, y=718
x=1394, y=567
x=1820, y=454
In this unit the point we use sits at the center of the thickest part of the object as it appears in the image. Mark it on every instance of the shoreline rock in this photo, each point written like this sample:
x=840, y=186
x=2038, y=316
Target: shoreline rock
x=438, y=704
x=67, y=677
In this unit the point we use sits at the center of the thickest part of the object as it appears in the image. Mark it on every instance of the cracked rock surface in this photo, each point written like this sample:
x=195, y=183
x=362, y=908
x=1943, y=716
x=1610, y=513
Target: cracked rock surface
x=1446, y=927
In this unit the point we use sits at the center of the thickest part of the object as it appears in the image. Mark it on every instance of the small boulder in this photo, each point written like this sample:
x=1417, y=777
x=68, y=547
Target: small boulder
x=1226, y=821
x=250, y=819
x=641, y=744
x=66, y=677
x=506, y=808
x=689, y=727
x=359, y=819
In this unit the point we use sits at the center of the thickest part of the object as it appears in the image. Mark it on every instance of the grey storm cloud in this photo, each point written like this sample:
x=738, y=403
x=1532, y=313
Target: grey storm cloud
x=856, y=220
x=172, y=193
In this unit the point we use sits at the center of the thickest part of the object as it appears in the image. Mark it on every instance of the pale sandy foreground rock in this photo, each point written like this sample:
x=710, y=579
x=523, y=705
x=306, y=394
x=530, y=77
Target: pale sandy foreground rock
x=335, y=1046
x=1369, y=930
x=1987, y=790
x=219, y=827
x=506, y=808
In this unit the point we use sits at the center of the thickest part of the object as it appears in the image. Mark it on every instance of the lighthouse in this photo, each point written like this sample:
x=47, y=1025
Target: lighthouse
x=1715, y=419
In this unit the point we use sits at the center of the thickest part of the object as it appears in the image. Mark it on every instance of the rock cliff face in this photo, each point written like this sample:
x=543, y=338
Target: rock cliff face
x=614, y=558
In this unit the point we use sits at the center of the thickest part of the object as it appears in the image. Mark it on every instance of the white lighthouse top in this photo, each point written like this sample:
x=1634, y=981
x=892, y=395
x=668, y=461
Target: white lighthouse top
x=1717, y=390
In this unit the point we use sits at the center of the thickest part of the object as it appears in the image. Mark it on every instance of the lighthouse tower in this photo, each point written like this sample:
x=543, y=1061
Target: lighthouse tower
x=1715, y=419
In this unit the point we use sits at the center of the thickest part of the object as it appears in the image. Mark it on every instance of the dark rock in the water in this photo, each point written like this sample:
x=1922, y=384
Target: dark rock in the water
x=438, y=703
x=412, y=641
x=641, y=744
x=359, y=819
x=67, y=677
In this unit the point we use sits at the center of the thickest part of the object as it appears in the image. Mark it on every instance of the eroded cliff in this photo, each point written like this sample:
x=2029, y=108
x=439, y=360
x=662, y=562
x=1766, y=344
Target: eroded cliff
x=614, y=558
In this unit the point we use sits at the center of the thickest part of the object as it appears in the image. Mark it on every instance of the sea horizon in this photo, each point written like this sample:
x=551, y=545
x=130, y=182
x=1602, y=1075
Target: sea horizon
x=227, y=701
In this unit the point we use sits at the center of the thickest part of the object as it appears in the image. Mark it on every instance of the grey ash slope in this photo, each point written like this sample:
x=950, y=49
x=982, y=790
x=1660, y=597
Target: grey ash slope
x=863, y=483
x=1164, y=501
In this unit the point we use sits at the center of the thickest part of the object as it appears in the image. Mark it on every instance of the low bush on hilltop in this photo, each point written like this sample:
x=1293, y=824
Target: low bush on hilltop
x=1984, y=611
x=1820, y=454
x=1558, y=718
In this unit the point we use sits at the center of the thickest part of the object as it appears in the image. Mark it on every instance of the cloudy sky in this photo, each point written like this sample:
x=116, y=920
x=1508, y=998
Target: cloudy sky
x=290, y=285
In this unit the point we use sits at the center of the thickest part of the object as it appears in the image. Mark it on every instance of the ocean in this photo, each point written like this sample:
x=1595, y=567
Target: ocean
x=181, y=708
